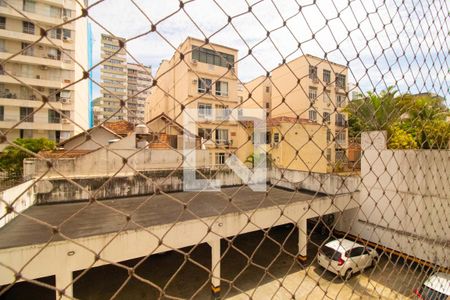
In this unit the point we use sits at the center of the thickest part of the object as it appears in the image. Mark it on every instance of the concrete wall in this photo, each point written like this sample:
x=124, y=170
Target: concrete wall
x=148, y=182
x=20, y=197
x=331, y=184
x=404, y=200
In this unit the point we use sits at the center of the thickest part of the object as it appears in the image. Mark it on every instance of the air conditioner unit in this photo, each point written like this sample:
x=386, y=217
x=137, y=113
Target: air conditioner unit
x=65, y=100
x=40, y=47
x=67, y=39
x=65, y=121
x=38, y=76
x=65, y=18
x=194, y=62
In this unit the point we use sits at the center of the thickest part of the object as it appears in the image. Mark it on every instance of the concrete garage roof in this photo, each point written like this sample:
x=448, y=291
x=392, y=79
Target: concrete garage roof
x=103, y=218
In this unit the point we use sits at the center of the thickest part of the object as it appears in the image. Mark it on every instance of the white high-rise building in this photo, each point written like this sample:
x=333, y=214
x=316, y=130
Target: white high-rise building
x=139, y=83
x=44, y=68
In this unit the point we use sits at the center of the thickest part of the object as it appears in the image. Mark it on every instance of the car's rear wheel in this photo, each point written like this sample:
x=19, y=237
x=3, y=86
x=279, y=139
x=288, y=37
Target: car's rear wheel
x=348, y=274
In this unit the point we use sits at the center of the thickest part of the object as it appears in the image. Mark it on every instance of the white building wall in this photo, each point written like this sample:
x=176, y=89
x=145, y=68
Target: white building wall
x=404, y=200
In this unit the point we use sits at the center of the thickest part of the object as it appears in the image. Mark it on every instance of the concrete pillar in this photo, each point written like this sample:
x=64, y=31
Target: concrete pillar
x=63, y=281
x=302, y=240
x=215, y=268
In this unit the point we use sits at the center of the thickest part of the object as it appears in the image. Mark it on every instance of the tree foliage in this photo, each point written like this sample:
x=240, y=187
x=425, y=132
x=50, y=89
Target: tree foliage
x=412, y=121
x=11, y=159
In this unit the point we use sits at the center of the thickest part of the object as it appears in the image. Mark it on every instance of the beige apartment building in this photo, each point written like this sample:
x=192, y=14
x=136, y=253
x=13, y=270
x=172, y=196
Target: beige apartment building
x=139, y=82
x=304, y=99
x=43, y=68
x=113, y=78
x=201, y=81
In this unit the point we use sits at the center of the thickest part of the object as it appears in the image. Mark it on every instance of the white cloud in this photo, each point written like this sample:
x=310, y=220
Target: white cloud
x=385, y=42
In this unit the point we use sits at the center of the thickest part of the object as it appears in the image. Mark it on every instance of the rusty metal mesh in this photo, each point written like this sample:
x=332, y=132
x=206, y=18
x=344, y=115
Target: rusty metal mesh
x=129, y=231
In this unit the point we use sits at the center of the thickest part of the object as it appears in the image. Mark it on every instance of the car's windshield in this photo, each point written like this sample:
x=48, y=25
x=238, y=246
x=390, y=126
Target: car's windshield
x=428, y=293
x=330, y=253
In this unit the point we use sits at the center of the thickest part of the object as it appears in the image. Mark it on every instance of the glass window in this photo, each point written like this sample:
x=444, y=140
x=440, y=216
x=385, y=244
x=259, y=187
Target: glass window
x=340, y=81
x=340, y=137
x=327, y=97
x=222, y=112
x=221, y=88
x=212, y=57
x=27, y=51
x=26, y=133
x=312, y=93
x=205, y=133
x=356, y=252
x=25, y=114
x=326, y=117
x=340, y=120
x=67, y=33
x=2, y=113
x=220, y=158
x=329, y=135
x=221, y=136
x=54, y=116
x=2, y=23
x=328, y=154
x=28, y=27
x=204, y=110
x=340, y=100
x=2, y=46
x=55, y=12
x=276, y=137
x=313, y=115
x=327, y=76
x=312, y=72
x=29, y=6
x=204, y=85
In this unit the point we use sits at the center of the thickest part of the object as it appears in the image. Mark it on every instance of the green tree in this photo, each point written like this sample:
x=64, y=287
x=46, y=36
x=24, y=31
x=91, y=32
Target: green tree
x=11, y=159
x=374, y=112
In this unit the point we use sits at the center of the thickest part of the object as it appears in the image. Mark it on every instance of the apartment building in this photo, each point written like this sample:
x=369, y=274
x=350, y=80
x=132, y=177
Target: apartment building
x=139, y=82
x=304, y=99
x=206, y=80
x=44, y=68
x=113, y=78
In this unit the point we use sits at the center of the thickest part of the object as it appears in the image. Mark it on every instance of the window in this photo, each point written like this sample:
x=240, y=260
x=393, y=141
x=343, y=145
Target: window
x=204, y=110
x=340, y=100
x=220, y=158
x=356, y=252
x=2, y=46
x=2, y=3
x=29, y=6
x=221, y=136
x=55, y=12
x=204, y=133
x=221, y=88
x=327, y=97
x=2, y=23
x=114, y=61
x=67, y=13
x=26, y=134
x=313, y=72
x=340, y=81
x=340, y=120
x=54, y=117
x=327, y=76
x=112, y=47
x=276, y=137
x=2, y=113
x=328, y=154
x=204, y=85
x=329, y=135
x=28, y=27
x=313, y=115
x=27, y=51
x=340, y=137
x=312, y=93
x=54, y=135
x=212, y=57
x=25, y=114
x=222, y=112
x=326, y=117
x=267, y=89
x=67, y=33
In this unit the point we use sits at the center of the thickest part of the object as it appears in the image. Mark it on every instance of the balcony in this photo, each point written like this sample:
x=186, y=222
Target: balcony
x=45, y=60
x=39, y=14
x=10, y=121
x=31, y=38
x=35, y=80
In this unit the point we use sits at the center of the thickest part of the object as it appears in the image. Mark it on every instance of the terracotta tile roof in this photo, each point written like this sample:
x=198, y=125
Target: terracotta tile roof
x=122, y=128
x=64, y=153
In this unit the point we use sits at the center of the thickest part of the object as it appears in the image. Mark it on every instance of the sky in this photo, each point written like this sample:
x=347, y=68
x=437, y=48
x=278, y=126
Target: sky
x=384, y=43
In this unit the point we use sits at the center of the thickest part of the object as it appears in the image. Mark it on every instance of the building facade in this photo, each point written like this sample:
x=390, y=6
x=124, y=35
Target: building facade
x=139, y=82
x=205, y=81
x=44, y=69
x=113, y=78
x=305, y=96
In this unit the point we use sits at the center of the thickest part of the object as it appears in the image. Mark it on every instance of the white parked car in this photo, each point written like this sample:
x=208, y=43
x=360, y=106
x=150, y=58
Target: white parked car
x=345, y=258
x=436, y=287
